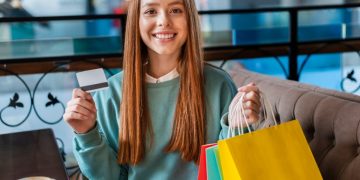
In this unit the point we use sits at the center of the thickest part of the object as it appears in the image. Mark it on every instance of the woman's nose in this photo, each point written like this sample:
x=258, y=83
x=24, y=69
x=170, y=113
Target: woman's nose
x=164, y=20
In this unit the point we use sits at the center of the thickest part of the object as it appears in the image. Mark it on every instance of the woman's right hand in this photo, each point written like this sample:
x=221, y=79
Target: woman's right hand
x=80, y=112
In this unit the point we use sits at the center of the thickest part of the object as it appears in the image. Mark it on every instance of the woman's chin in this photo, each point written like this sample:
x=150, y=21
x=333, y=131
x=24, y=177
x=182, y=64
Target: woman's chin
x=165, y=52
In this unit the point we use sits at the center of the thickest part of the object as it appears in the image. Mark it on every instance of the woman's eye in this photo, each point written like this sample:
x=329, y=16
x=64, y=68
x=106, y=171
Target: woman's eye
x=150, y=12
x=176, y=11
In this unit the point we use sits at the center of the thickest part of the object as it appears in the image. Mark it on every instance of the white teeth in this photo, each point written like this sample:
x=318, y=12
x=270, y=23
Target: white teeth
x=164, y=36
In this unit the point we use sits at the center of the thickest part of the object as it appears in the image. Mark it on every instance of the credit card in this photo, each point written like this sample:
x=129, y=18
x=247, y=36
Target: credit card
x=92, y=80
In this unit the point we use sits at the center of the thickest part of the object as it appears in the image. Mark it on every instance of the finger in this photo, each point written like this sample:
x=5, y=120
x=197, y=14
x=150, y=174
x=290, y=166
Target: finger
x=249, y=88
x=71, y=116
x=81, y=110
x=250, y=105
x=78, y=93
x=82, y=102
x=251, y=116
x=252, y=96
x=251, y=92
x=235, y=99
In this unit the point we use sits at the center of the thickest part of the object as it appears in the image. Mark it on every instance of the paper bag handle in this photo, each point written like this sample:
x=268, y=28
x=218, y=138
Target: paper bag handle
x=266, y=107
x=237, y=117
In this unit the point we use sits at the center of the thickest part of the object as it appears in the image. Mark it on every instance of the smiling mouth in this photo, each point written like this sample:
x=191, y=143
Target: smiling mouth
x=165, y=36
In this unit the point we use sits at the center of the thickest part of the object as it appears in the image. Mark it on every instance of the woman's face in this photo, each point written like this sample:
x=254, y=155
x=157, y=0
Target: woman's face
x=163, y=25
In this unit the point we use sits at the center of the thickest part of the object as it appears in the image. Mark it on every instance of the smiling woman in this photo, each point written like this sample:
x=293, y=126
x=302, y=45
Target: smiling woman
x=165, y=104
x=159, y=18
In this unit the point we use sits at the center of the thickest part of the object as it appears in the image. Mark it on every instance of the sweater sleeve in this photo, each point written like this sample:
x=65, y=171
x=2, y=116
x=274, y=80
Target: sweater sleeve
x=228, y=92
x=96, y=156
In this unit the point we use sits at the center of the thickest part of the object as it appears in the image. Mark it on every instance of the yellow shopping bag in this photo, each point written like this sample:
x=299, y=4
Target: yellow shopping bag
x=280, y=152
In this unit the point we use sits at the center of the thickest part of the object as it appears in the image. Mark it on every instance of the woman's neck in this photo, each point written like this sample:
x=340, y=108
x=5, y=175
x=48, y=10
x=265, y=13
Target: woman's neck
x=160, y=65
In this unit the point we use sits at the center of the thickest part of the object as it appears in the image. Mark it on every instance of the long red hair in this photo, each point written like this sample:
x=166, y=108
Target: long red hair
x=189, y=127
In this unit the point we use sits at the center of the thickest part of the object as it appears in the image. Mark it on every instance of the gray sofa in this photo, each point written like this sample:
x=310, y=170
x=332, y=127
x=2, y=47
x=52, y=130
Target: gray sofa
x=330, y=121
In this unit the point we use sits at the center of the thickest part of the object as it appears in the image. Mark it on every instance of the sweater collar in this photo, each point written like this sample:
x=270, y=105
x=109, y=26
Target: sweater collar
x=169, y=76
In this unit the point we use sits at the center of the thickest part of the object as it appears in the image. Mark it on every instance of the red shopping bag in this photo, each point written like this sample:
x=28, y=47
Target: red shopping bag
x=202, y=175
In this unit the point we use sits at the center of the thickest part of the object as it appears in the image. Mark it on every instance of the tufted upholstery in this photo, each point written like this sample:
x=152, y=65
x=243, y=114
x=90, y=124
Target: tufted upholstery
x=330, y=121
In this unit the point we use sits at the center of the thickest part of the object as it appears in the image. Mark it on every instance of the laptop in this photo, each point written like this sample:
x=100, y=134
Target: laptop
x=31, y=154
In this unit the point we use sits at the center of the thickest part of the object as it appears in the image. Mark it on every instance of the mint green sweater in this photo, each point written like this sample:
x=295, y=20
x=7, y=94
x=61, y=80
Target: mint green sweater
x=96, y=151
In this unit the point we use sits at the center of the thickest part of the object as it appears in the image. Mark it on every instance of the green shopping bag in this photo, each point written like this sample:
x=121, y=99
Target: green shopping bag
x=213, y=163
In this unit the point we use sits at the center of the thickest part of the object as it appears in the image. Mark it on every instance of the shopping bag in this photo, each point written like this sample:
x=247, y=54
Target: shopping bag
x=213, y=167
x=280, y=152
x=202, y=175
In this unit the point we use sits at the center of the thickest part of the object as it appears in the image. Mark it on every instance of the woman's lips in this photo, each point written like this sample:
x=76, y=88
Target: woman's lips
x=164, y=36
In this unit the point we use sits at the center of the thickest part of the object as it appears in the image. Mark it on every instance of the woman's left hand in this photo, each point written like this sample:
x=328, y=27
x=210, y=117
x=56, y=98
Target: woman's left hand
x=251, y=102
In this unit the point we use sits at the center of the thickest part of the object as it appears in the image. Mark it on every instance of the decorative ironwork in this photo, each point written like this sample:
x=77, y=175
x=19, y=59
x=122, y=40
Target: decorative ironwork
x=308, y=56
x=16, y=102
x=349, y=76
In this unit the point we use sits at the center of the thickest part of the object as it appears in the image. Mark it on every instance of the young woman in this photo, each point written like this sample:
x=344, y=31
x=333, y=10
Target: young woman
x=162, y=107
